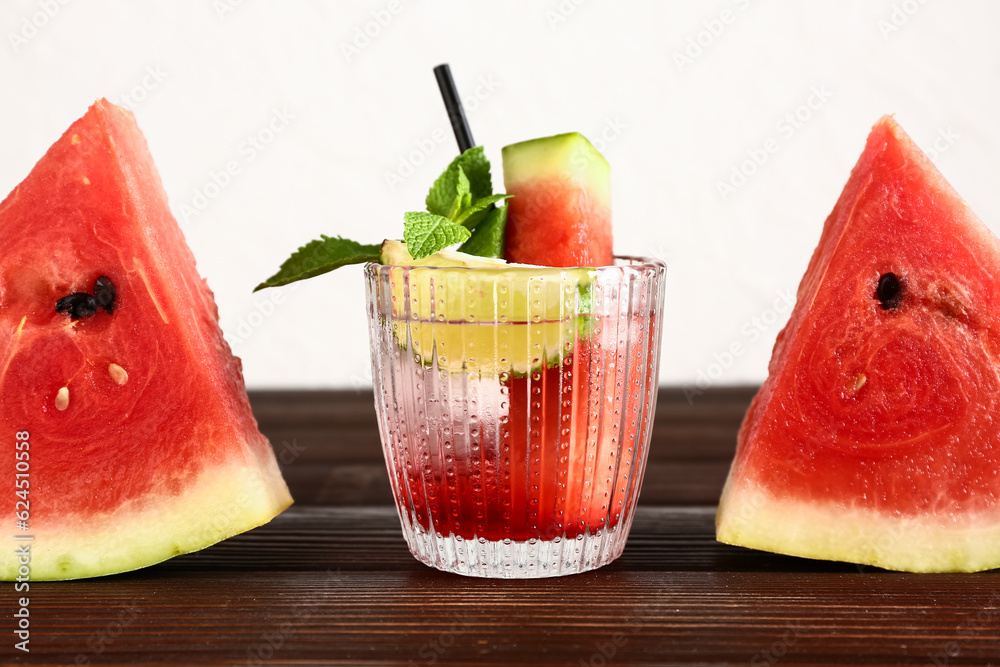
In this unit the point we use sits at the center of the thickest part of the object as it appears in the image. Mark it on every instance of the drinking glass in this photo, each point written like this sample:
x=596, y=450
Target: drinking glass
x=515, y=407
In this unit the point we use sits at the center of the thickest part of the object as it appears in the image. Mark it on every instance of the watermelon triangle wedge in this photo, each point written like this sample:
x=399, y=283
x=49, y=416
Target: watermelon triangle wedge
x=876, y=437
x=128, y=435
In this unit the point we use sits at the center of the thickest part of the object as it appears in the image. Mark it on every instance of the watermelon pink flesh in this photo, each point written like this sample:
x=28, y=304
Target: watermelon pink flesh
x=560, y=213
x=166, y=463
x=875, y=439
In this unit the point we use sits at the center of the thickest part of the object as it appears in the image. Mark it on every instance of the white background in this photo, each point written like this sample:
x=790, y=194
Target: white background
x=680, y=97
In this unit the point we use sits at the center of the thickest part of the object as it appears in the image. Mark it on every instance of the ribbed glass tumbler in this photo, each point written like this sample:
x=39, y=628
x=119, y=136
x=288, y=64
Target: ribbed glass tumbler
x=515, y=406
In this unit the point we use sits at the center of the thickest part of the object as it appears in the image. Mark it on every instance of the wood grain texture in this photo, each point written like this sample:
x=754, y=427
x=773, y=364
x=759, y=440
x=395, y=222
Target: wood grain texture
x=330, y=581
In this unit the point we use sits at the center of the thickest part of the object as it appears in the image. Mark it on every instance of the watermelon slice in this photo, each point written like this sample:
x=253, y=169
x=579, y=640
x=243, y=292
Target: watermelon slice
x=140, y=440
x=560, y=214
x=875, y=439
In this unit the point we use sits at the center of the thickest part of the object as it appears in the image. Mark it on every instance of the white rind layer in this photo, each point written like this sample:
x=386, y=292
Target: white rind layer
x=749, y=516
x=222, y=501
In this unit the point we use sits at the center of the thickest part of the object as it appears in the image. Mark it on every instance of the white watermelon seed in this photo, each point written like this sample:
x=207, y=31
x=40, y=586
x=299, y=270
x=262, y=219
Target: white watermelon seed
x=62, y=398
x=75, y=139
x=117, y=373
x=86, y=181
x=860, y=381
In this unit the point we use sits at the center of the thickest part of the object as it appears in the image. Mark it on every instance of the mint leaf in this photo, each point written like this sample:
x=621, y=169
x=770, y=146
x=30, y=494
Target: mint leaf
x=426, y=233
x=488, y=239
x=442, y=195
x=465, y=216
x=476, y=169
x=463, y=196
x=321, y=256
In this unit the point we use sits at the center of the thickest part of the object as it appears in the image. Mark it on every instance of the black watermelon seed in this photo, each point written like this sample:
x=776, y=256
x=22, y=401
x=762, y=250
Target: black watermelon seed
x=77, y=305
x=104, y=292
x=889, y=291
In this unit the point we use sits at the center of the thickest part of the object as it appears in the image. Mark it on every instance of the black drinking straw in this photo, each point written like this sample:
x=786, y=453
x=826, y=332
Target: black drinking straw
x=456, y=114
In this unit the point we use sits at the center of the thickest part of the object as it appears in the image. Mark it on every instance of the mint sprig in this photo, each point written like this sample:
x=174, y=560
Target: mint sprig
x=467, y=216
x=321, y=256
x=462, y=195
x=488, y=239
x=475, y=168
x=426, y=233
x=461, y=208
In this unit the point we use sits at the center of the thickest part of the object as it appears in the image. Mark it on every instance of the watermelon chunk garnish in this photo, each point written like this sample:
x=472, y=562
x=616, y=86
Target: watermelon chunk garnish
x=875, y=438
x=560, y=212
x=141, y=442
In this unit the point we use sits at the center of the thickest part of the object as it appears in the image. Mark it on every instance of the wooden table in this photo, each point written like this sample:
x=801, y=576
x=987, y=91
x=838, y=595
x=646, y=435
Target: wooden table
x=330, y=581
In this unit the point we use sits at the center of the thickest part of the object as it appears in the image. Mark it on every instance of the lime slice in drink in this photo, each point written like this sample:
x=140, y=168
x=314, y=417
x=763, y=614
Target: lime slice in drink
x=483, y=315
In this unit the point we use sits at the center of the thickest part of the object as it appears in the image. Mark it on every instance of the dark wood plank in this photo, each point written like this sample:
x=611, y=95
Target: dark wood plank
x=337, y=586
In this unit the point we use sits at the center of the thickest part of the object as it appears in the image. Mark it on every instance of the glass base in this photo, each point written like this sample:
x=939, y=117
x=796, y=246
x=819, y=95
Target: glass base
x=511, y=559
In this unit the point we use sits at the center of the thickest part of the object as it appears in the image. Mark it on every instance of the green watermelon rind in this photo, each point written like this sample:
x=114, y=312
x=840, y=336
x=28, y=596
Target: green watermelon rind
x=548, y=155
x=222, y=502
x=751, y=517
